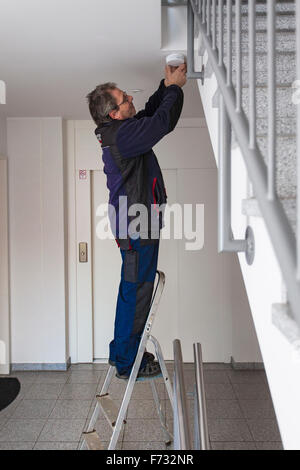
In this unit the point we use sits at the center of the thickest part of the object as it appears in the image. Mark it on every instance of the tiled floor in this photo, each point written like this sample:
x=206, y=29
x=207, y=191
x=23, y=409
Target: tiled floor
x=53, y=408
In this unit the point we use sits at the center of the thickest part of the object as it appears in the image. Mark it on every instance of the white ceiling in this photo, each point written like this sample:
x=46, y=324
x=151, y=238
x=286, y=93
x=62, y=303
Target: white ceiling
x=53, y=52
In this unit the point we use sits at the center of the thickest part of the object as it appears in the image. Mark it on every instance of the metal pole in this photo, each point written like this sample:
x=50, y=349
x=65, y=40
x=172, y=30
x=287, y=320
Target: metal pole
x=298, y=137
x=252, y=74
x=200, y=397
x=271, y=101
x=182, y=433
x=229, y=41
x=225, y=242
x=238, y=56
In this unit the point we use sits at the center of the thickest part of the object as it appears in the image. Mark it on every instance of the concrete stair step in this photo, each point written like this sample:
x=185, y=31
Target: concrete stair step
x=285, y=108
x=284, y=21
x=285, y=41
x=286, y=180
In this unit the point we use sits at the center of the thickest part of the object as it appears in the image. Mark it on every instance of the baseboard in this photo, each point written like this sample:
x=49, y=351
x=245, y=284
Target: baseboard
x=246, y=365
x=27, y=366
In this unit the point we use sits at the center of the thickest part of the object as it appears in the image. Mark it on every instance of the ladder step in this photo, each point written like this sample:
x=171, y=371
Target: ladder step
x=92, y=440
x=109, y=408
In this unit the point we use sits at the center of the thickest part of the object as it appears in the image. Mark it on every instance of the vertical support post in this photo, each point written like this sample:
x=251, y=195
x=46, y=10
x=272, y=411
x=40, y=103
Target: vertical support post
x=229, y=42
x=298, y=136
x=221, y=28
x=225, y=241
x=208, y=18
x=271, y=100
x=214, y=19
x=252, y=74
x=238, y=56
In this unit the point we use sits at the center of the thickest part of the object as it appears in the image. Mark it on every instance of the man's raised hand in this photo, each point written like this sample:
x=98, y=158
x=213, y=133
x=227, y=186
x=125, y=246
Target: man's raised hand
x=175, y=75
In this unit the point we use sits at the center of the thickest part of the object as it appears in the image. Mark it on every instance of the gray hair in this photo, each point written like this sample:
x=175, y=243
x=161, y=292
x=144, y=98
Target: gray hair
x=101, y=102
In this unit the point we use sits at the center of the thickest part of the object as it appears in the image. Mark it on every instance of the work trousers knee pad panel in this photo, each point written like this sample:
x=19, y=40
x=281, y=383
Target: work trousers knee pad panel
x=131, y=265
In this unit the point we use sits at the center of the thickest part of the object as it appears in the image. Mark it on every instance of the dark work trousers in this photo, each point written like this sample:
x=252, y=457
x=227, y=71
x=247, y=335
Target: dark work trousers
x=139, y=264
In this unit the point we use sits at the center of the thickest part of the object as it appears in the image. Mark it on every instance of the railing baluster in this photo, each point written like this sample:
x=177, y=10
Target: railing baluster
x=208, y=18
x=298, y=137
x=271, y=101
x=221, y=47
x=214, y=19
x=229, y=41
x=252, y=74
x=238, y=55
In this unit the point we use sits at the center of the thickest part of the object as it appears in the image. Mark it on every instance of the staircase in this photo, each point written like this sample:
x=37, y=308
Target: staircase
x=267, y=283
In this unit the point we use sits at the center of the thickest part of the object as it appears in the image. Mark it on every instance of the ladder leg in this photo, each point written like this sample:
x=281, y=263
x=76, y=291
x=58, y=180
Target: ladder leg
x=107, y=381
x=168, y=435
x=164, y=370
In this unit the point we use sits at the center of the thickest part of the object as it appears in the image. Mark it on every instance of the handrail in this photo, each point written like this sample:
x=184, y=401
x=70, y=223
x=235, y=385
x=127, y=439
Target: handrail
x=182, y=434
x=201, y=426
x=279, y=228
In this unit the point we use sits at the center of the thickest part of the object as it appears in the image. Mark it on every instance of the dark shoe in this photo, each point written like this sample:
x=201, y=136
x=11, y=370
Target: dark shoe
x=150, y=370
x=147, y=355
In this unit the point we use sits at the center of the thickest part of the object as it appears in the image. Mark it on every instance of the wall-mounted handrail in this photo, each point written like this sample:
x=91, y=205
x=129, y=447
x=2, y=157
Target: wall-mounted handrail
x=182, y=433
x=279, y=228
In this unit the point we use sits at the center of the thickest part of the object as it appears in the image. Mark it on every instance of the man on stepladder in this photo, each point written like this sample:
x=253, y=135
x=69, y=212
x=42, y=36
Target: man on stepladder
x=133, y=172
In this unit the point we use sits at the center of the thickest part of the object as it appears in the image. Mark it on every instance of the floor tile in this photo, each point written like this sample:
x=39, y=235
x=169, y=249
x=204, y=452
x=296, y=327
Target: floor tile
x=34, y=409
x=215, y=377
x=55, y=446
x=219, y=391
x=216, y=366
x=143, y=446
x=21, y=430
x=16, y=445
x=71, y=409
x=223, y=409
x=269, y=446
x=85, y=376
x=229, y=430
x=7, y=412
x=52, y=377
x=94, y=366
x=44, y=391
x=258, y=391
x=146, y=430
x=233, y=446
x=256, y=409
x=62, y=430
x=246, y=377
x=106, y=444
x=264, y=429
x=79, y=391
x=25, y=377
x=146, y=409
x=25, y=387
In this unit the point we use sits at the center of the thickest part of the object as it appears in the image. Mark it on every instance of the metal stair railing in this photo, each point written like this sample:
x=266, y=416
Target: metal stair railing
x=209, y=15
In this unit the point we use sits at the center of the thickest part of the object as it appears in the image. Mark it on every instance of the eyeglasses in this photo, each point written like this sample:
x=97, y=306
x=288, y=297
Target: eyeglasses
x=125, y=99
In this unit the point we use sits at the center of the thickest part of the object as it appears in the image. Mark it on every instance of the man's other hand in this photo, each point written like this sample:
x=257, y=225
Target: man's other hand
x=175, y=75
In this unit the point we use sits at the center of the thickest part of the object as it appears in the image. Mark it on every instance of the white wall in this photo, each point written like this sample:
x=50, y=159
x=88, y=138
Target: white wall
x=36, y=234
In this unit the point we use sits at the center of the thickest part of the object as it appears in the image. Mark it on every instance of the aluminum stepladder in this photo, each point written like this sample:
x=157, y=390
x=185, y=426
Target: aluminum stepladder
x=115, y=416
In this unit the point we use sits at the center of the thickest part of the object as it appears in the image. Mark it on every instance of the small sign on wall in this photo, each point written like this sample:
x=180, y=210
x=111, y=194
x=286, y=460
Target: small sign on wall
x=82, y=174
